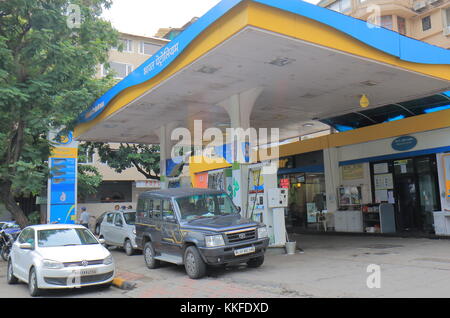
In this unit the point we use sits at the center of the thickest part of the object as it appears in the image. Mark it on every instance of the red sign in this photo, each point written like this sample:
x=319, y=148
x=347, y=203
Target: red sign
x=284, y=183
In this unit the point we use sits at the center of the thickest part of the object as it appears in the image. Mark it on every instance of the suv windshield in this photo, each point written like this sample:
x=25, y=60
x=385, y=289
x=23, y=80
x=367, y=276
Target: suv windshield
x=206, y=205
x=65, y=237
x=130, y=217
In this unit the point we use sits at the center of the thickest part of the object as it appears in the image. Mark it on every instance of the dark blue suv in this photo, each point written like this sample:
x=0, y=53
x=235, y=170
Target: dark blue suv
x=195, y=228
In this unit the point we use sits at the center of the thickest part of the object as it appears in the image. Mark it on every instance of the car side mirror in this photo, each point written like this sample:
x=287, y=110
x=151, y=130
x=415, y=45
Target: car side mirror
x=26, y=246
x=101, y=241
x=239, y=209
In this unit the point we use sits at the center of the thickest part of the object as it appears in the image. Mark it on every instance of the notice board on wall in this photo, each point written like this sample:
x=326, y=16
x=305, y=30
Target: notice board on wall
x=353, y=172
x=383, y=181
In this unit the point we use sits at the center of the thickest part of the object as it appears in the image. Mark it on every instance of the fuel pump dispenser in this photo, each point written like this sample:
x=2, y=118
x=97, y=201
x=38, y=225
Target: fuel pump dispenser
x=277, y=202
x=255, y=207
x=266, y=203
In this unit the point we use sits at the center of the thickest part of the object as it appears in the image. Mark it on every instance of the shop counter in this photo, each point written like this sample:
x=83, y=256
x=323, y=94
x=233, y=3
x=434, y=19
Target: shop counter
x=348, y=221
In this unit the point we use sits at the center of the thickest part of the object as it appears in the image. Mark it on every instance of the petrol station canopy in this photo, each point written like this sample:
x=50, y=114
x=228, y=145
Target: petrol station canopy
x=311, y=64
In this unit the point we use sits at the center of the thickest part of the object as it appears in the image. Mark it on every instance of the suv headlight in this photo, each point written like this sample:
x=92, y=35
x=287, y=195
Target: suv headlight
x=214, y=240
x=134, y=231
x=47, y=263
x=262, y=232
x=108, y=260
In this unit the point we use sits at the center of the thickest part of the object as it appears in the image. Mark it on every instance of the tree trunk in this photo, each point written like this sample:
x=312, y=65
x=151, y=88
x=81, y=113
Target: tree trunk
x=11, y=205
x=16, y=140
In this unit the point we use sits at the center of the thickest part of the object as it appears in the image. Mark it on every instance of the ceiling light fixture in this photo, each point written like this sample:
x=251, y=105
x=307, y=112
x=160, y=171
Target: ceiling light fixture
x=364, y=101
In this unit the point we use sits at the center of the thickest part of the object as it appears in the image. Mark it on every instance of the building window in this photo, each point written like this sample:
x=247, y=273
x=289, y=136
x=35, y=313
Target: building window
x=346, y=5
x=341, y=5
x=386, y=22
x=426, y=23
x=447, y=16
x=120, y=70
x=85, y=156
x=148, y=48
x=111, y=192
x=127, y=45
x=401, y=25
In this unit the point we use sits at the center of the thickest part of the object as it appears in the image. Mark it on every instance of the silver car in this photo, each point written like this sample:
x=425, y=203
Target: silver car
x=54, y=256
x=118, y=229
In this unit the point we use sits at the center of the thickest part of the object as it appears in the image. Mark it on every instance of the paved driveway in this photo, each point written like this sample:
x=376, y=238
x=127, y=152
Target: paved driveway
x=331, y=266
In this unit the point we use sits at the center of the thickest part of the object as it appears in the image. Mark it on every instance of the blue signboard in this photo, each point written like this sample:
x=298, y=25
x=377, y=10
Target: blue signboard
x=404, y=143
x=63, y=213
x=62, y=190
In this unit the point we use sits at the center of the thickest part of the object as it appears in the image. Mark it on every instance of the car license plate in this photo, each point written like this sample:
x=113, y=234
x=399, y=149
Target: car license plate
x=246, y=250
x=91, y=271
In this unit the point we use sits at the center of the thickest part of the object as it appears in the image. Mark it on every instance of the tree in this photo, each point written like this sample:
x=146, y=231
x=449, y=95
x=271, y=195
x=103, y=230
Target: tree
x=89, y=178
x=48, y=60
x=145, y=158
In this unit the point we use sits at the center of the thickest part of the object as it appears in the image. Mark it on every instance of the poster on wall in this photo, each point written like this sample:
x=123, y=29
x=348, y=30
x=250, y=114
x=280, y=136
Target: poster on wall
x=379, y=168
x=383, y=181
x=311, y=211
x=353, y=172
x=349, y=195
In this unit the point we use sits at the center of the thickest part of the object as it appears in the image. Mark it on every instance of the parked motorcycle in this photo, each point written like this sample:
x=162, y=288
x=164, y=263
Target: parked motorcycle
x=7, y=238
x=6, y=241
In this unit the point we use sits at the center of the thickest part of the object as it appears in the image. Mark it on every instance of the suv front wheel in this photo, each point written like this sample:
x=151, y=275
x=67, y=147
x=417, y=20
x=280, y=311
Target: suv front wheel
x=193, y=262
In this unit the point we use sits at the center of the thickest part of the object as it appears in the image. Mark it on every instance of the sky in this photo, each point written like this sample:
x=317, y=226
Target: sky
x=145, y=17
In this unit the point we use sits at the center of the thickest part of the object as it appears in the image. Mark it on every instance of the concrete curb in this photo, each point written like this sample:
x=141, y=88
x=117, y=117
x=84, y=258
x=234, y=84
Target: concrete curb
x=123, y=284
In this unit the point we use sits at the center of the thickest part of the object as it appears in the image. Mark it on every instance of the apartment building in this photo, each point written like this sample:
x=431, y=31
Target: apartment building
x=171, y=33
x=425, y=20
x=136, y=50
x=121, y=188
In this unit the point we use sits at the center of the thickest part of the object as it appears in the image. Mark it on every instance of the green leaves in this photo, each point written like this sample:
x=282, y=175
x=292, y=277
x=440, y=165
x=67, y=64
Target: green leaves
x=145, y=158
x=47, y=78
x=89, y=179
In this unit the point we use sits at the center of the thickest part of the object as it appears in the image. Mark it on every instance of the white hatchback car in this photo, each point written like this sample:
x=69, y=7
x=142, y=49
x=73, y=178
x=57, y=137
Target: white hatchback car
x=118, y=229
x=52, y=256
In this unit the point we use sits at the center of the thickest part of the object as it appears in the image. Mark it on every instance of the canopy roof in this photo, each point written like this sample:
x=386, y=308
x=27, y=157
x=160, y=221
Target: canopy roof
x=312, y=63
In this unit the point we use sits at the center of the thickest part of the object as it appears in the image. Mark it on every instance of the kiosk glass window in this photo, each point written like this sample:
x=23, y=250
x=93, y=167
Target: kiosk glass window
x=416, y=191
x=306, y=198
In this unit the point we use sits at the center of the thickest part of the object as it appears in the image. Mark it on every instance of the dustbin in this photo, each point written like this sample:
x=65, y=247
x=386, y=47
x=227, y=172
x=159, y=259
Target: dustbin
x=291, y=247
